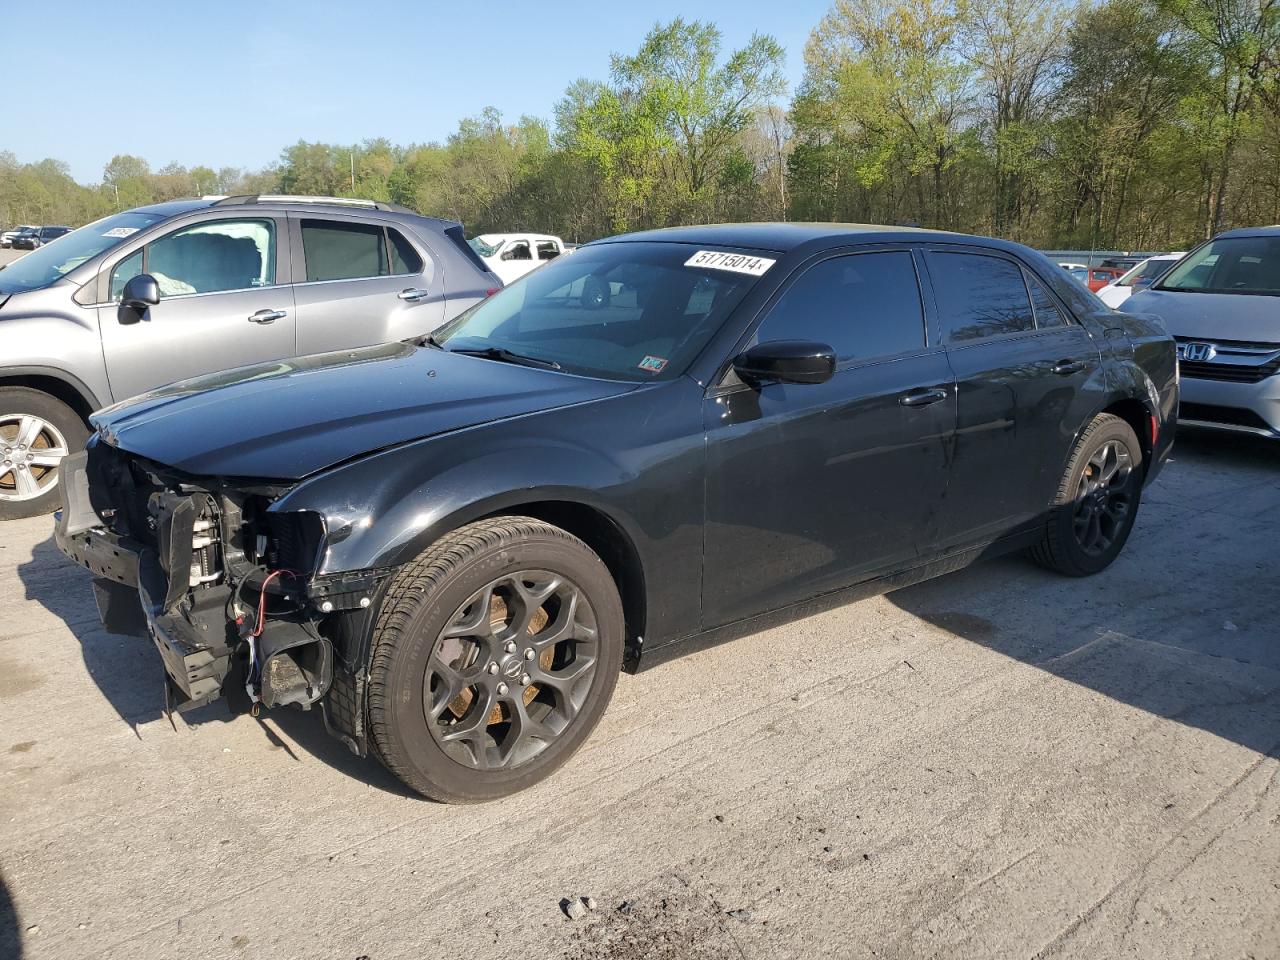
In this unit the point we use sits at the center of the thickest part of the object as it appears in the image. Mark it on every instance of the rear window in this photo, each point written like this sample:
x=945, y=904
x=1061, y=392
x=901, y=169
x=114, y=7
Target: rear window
x=979, y=296
x=1244, y=265
x=338, y=250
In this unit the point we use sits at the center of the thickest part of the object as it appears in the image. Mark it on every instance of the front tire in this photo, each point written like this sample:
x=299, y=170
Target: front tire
x=494, y=656
x=1097, y=502
x=36, y=432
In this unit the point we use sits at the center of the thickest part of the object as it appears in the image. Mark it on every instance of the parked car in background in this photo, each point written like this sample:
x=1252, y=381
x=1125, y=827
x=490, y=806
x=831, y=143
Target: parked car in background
x=454, y=545
x=48, y=235
x=24, y=238
x=1143, y=275
x=512, y=255
x=7, y=238
x=1122, y=262
x=1099, y=277
x=1222, y=305
x=1078, y=271
x=178, y=289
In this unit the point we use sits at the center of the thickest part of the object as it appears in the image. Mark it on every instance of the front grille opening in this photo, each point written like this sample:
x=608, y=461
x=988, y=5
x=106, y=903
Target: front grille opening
x=1229, y=372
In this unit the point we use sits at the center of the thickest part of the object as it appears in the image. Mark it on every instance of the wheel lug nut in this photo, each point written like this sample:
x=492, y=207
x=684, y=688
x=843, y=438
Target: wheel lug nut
x=502, y=689
x=528, y=654
x=510, y=646
x=524, y=680
x=493, y=668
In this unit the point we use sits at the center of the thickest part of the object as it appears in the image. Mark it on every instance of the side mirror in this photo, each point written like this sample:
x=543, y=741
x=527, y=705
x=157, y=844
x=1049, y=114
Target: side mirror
x=139, y=293
x=786, y=361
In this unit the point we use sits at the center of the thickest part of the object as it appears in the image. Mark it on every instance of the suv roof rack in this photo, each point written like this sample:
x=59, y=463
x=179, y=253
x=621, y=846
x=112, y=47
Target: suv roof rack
x=328, y=201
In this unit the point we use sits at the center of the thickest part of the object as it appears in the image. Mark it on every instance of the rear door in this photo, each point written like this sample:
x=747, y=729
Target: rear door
x=225, y=301
x=1025, y=374
x=812, y=487
x=361, y=282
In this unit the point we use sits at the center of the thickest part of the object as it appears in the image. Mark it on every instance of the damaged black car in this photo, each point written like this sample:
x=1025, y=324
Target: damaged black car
x=450, y=548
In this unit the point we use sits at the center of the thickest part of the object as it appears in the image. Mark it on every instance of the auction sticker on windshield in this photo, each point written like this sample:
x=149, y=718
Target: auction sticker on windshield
x=733, y=262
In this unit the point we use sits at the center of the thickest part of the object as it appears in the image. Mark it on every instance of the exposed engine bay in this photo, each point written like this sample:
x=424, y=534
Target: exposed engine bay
x=223, y=585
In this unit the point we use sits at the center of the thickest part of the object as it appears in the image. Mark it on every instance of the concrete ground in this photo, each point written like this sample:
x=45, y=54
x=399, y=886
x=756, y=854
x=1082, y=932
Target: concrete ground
x=8, y=256
x=999, y=763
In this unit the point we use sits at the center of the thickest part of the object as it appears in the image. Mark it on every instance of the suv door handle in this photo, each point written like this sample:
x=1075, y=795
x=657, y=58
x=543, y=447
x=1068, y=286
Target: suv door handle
x=266, y=316
x=922, y=398
x=413, y=293
x=1066, y=367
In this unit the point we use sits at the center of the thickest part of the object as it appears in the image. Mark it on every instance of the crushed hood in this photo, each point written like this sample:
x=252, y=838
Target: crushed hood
x=289, y=419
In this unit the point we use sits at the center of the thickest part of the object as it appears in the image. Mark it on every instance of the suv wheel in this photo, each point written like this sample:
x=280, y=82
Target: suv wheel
x=36, y=432
x=494, y=655
x=1097, y=502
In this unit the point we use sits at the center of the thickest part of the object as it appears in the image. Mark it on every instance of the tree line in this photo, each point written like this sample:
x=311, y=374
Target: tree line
x=1137, y=124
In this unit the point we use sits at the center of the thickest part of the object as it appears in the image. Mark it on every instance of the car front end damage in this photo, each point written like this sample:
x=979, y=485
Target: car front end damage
x=224, y=585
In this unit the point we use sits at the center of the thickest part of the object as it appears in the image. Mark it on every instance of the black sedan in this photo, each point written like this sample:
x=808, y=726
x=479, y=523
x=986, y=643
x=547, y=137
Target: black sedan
x=453, y=546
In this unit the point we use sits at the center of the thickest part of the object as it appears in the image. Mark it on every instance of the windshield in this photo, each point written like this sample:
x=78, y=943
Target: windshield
x=56, y=259
x=1146, y=271
x=1246, y=265
x=624, y=311
x=483, y=248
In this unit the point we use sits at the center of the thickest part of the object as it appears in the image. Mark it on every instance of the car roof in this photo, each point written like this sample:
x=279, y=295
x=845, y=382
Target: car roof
x=1273, y=231
x=784, y=237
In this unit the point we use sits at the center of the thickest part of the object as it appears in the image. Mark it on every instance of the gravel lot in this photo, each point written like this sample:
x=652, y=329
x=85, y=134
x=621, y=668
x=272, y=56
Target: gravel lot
x=1000, y=763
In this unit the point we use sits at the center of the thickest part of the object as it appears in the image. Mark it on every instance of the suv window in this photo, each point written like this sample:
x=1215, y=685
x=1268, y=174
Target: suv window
x=209, y=257
x=979, y=296
x=863, y=305
x=404, y=259
x=547, y=250
x=1048, y=313
x=338, y=250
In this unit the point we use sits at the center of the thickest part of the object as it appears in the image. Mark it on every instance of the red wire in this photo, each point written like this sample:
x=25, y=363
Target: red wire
x=262, y=600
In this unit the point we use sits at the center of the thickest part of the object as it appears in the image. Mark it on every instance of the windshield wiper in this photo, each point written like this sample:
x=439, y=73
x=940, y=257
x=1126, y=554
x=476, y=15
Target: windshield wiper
x=430, y=341
x=507, y=356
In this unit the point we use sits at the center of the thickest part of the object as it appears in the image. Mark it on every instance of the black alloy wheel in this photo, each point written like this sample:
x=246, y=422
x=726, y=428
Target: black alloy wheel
x=495, y=653
x=1097, y=501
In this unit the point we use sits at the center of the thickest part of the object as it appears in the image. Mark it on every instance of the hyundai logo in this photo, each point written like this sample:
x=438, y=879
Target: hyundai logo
x=1197, y=352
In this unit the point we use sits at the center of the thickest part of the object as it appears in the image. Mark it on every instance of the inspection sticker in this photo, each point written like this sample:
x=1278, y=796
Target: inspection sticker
x=733, y=262
x=652, y=364
x=121, y=232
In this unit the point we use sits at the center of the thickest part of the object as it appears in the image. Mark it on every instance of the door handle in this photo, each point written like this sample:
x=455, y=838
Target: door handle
x=1065, y=368
x=413, y=293
x=266, y=316
x=922, y=398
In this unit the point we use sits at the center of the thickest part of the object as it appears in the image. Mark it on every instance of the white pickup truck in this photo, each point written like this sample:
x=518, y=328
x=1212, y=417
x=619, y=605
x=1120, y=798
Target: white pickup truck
x=512, y=255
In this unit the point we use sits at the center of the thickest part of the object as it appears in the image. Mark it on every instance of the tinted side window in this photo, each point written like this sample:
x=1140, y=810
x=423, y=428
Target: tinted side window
x=864, y=305
x=404, y=259
x=336, y=250
x=214, y=256
x=517, y=251
x=979, y=296
x=1048, y=313
x=547, y=250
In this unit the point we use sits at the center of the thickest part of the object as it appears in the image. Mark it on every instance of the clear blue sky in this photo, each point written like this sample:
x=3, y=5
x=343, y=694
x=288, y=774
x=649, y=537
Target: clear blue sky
x=231, y=82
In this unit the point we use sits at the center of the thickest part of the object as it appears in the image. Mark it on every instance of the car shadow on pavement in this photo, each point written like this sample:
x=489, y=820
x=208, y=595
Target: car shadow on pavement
x=1181, y=626
x=10, y=935
x=128, y=672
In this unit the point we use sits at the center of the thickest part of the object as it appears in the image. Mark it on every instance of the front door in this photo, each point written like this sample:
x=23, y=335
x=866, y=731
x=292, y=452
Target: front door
x=813, y=487
x=224, y=302
x=1023, y=376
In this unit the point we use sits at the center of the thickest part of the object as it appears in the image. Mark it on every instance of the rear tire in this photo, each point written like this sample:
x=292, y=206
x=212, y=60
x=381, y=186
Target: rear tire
x=494, y=656
x=36, y=431
x=1097, y=502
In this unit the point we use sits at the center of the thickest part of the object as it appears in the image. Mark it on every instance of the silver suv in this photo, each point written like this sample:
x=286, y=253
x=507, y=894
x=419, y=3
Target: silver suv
x=173, y=290
x=1222, y=305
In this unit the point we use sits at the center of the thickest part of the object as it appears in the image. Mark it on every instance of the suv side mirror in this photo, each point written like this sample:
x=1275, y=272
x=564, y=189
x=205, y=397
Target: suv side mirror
x=139, y=293
x=786, y=361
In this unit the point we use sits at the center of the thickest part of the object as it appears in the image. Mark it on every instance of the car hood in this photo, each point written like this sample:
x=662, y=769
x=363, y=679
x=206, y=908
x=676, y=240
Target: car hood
x=289, y=419
x=1222, y=316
